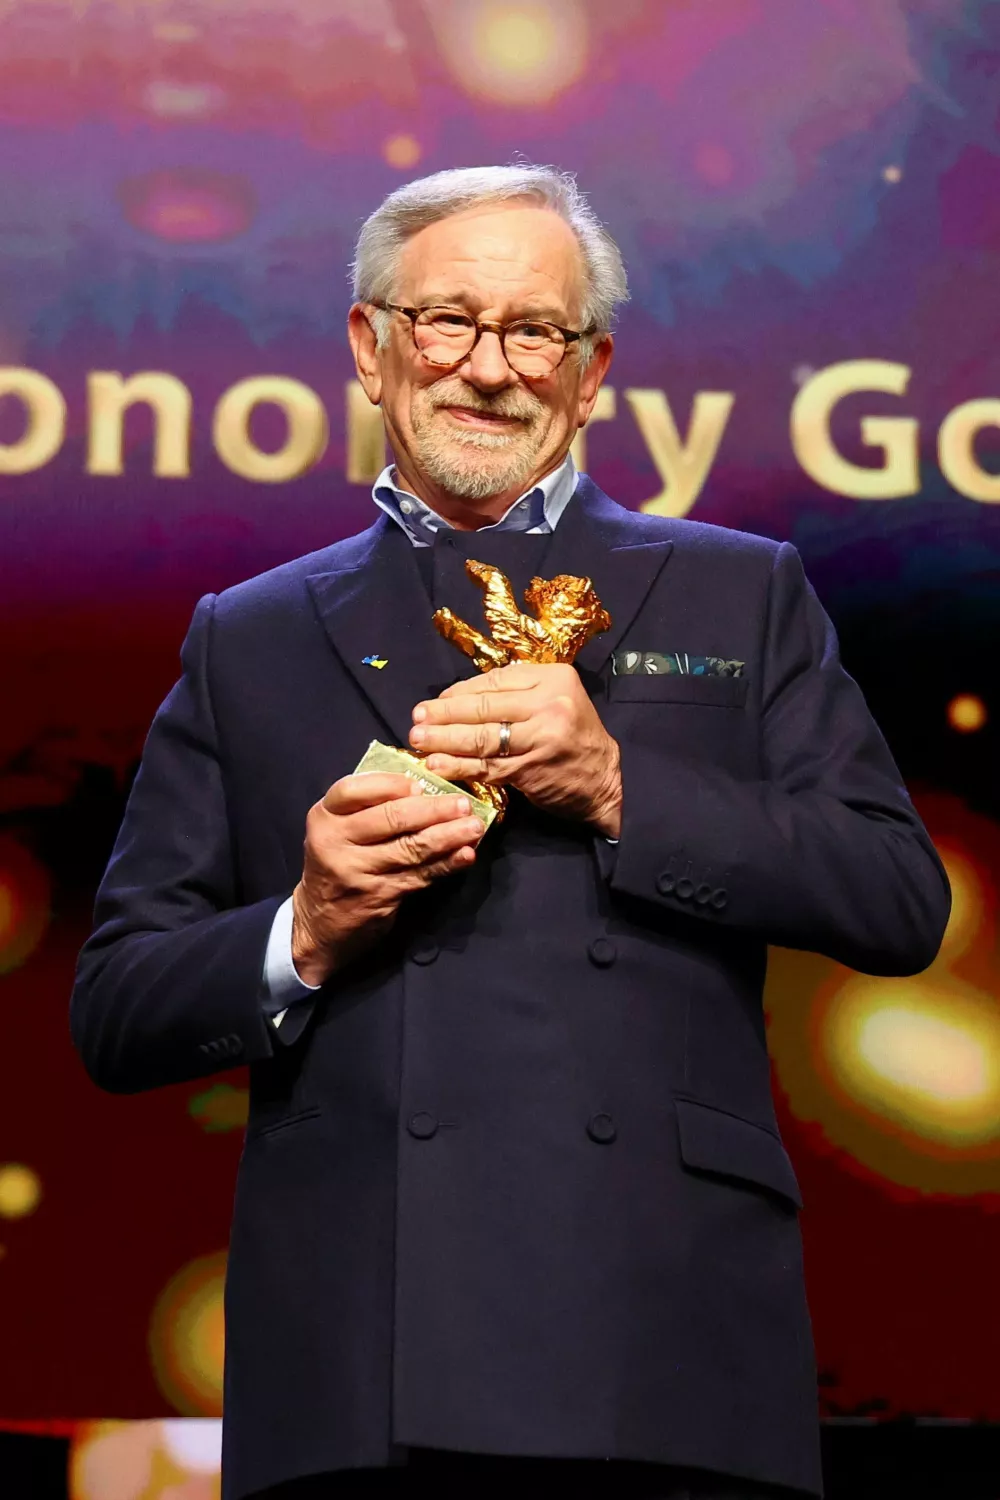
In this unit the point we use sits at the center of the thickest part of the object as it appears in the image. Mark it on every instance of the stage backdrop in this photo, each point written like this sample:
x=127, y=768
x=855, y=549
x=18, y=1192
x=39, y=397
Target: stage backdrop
x=807, y=193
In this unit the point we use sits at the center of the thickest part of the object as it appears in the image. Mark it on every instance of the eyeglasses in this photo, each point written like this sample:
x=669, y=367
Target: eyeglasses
x=445, y=337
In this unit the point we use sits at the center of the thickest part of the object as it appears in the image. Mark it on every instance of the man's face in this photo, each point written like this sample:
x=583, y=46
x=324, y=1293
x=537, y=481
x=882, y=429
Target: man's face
x=481, y=431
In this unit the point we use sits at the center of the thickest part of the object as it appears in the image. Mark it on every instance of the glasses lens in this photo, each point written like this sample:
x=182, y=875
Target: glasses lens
x=534, y=349
x=442, y=336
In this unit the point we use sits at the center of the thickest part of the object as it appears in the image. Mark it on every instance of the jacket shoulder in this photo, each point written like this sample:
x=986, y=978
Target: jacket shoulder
x=699, y=538
x=285, y=586
x=694, y=539
x=704, y=538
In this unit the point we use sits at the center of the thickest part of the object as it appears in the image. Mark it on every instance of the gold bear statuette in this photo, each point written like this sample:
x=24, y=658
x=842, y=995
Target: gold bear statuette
x=567, y=612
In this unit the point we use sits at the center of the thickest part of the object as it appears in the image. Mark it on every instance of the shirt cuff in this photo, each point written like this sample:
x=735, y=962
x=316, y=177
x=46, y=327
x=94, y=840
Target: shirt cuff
x=282, y=985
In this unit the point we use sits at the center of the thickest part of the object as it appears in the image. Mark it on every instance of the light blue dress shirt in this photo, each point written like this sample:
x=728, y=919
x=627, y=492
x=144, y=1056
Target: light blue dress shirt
x=536, y=512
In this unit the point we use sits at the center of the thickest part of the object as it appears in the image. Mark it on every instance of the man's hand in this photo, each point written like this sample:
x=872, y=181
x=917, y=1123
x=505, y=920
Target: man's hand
x=561, y=756
x=372, y=839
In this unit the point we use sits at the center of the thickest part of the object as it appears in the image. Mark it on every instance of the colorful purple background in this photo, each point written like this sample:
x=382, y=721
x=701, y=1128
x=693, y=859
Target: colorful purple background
x=793, y=183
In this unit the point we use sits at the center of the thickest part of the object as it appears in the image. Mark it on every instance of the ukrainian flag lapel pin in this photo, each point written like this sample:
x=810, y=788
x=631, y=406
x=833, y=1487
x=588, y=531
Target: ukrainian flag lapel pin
x=375, y=661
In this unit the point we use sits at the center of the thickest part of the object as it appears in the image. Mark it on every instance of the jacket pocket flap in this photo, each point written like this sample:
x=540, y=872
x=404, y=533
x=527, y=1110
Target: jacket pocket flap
x=712, y=1141
x=671, y=687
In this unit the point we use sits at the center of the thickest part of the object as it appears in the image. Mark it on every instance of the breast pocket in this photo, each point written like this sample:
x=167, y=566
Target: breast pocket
x=669, y=687
x=704, y=719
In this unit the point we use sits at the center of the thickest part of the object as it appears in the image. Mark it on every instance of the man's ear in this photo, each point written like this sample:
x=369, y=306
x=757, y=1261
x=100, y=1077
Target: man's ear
x=593, y=376
x=361, y=336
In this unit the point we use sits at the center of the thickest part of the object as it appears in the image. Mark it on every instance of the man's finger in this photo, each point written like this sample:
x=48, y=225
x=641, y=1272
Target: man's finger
x=482, y=741
x=411, y=851
x=460, y=860
x=476, y=708
x=352, y=793
x=517, y=676
x=403, y=815
x=495, y=770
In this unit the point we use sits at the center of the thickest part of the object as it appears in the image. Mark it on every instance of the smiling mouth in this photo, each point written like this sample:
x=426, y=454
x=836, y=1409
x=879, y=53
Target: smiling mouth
x=470, y=416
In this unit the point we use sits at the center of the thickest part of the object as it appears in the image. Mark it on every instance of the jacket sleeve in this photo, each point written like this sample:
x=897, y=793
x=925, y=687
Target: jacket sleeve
x=169, y=985
x=825, y=852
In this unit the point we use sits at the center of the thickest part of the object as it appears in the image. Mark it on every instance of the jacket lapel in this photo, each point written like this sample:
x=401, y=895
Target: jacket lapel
x=377, y=606
x=598, y=539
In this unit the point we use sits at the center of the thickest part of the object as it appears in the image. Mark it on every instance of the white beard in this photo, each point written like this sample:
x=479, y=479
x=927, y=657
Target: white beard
x=475, y=465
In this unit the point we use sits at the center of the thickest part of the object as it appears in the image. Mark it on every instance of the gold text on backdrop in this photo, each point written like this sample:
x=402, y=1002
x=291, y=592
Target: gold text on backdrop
x=683, y=455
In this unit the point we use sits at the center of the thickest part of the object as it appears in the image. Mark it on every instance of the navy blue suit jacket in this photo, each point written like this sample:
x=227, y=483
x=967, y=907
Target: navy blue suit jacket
x=517, y=1186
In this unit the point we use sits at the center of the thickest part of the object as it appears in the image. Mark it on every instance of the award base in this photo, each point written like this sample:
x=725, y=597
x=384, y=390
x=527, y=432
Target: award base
x=396, y=762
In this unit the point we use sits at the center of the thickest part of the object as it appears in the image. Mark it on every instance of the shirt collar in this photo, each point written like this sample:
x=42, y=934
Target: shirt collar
x=537, y=511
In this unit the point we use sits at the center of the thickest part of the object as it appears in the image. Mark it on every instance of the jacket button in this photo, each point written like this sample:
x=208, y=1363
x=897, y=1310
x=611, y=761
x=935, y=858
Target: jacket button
x=601, y=1128
x=422, y=1126
x=685, y=889
x=602, y=952
x=425, y=953
x=665, y=883
x=703, y=895
x=720, y=899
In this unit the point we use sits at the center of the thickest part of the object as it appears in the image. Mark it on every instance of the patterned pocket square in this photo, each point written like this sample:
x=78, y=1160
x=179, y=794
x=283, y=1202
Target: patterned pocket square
x=673, y=664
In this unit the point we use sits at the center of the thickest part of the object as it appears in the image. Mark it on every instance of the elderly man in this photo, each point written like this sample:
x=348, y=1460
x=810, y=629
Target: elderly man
x=513, y=1206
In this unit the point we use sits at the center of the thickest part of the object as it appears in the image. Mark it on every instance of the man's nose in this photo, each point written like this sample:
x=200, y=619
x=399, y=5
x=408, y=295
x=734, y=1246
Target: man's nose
x=486, y=366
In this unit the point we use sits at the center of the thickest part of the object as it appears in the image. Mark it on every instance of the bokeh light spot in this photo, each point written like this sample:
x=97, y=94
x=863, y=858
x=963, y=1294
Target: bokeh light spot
x=902, y=1075
x=187, y=1338
x=965, y=922
x=183, y=101
x=967, y=713
x=188, y=205
x=401, y=151
x=176, y=31
x=926, y=1059
x=924, y=1054
x=517, y=54
x=20, y=1191
x=521, y=41
x=146, y=1460
x=111, y=1461
x=220, y=1107
x=25, y=903
x=195, y=1446
x=892, y=173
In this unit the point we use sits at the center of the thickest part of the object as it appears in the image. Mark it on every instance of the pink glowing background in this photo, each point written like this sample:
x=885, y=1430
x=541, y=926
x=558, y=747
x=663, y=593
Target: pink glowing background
x=792, y=184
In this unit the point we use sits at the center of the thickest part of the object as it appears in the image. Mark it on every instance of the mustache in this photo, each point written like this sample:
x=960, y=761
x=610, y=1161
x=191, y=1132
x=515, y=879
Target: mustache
x=517, y=405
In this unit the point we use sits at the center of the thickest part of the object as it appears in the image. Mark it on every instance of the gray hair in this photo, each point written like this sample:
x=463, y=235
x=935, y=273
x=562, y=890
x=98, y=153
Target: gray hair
x=415, y=205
